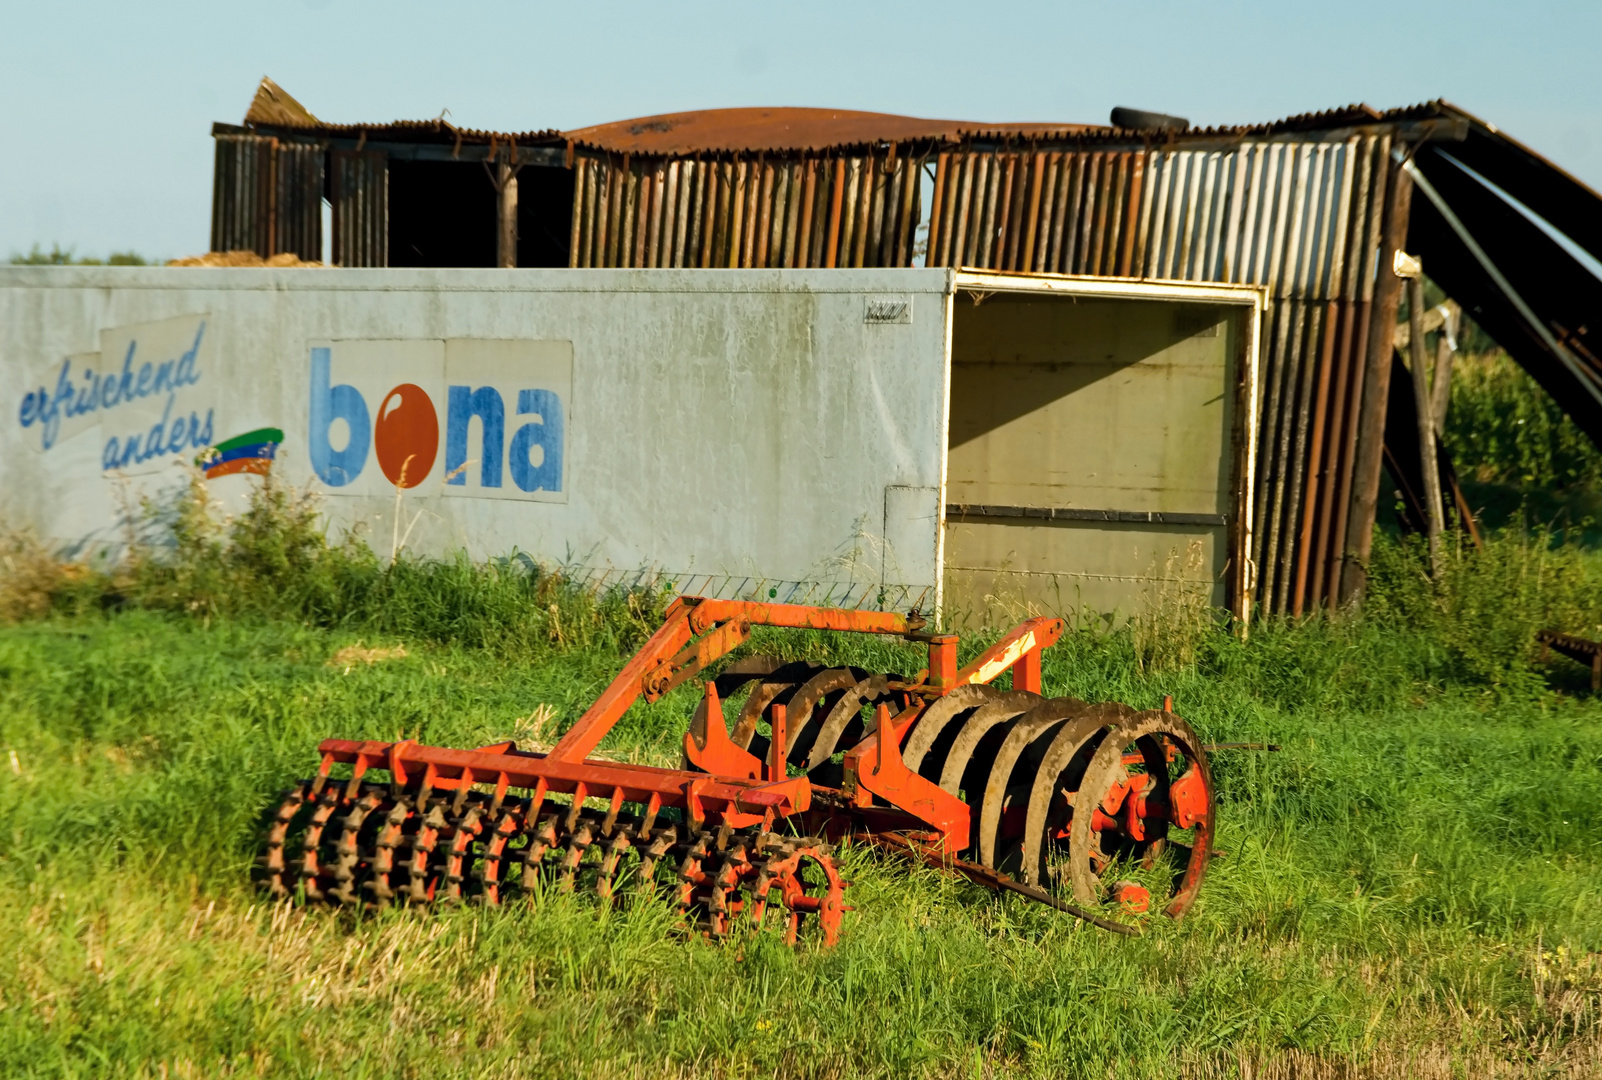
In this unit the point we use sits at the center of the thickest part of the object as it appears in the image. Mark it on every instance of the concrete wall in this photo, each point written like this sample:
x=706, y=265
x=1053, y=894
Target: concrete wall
x=744, y=432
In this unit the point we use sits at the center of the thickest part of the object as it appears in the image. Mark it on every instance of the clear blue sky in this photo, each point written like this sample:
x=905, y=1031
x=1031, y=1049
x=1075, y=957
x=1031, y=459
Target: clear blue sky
x=104, y=134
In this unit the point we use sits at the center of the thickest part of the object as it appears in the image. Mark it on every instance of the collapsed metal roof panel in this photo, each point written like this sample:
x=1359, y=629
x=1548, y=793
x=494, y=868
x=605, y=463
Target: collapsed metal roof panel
x=273, y=108
x=786, y=129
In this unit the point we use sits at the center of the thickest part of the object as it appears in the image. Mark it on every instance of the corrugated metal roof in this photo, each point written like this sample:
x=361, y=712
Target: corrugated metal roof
x=790, y=129
x=779, y=129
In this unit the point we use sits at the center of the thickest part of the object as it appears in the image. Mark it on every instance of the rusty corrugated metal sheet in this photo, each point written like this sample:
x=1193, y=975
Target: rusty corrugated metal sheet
x=361, y=208
x=749, y=210
x=267, y=197
x=771, y=130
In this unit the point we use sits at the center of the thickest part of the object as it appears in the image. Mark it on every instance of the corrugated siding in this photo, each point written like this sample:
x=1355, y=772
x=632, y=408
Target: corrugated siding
x=298, y=217
x=745, y=212
x=361, y=208
x=241, y=194
x=1302, y=218
x=267, y=197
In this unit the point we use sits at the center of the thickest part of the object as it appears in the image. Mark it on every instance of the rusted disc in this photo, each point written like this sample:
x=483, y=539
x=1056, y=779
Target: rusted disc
x=777, y=685
x=273, y=861
x=1142, y=744
x=826, y=688
x=944, y=716
x=843, y=725
x=1010, y=778
x=387, y=871
x=971, y=754
x=809, y=887
x=350, y=863
x=1057, y=775
x=316, y=877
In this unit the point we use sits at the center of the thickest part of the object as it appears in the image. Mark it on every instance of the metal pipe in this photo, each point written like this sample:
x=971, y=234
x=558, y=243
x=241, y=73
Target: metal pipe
x=984, y=209
x=809, y=194
x=1132, y=213
x=1006, y=216
x=1085, y=220
x=937, y=234
x=1429, y=467
x=848, y=212
x=576, y=234
x=889, y=215
x=836, y=196
x=1061, y=225
x=1106, y=181
x=864, y=208
x=763, y=213
x=911, y=205
x=1040, y=241
x=1311, y=520
x=959, y=236
x=737, y=230
x=796, y=198
x=1293, y=441
x=614, y=212
x=1112, y=210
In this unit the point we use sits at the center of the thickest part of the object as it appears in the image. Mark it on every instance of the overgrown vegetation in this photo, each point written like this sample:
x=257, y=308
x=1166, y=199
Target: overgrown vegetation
x=59, y=256
x=274, y=561
x=1410, y=886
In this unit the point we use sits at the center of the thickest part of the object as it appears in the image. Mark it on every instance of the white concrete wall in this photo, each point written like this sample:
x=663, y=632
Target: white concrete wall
x=744, y=432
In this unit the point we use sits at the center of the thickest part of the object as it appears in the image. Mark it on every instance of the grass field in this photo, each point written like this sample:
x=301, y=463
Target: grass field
x=1411, y=887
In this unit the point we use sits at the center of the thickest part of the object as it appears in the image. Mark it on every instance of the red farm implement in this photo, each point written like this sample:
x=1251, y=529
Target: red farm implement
x=1047, y=797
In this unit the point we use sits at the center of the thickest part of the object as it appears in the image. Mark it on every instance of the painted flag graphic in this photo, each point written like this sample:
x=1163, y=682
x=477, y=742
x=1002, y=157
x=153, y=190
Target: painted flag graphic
x=251, y=452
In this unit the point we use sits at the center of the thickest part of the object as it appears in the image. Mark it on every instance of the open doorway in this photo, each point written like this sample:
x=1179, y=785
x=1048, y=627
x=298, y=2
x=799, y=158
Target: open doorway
x=1096, y=453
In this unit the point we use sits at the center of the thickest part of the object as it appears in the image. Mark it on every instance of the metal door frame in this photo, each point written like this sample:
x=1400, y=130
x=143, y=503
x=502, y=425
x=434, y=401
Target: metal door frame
x=1243, y=438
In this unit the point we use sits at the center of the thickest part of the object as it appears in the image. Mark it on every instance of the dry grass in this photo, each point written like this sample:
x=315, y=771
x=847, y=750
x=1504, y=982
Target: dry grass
x=31, y=577
x=347, y=658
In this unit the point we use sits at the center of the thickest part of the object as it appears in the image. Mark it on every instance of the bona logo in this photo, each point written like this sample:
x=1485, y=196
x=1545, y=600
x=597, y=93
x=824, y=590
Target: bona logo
x=496, y=408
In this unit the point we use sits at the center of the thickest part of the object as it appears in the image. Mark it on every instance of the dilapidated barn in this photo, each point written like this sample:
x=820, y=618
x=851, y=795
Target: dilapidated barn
x=1313, y=210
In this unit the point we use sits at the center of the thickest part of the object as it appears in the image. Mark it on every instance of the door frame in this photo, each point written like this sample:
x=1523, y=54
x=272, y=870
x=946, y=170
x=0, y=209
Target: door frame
x=1243, y=437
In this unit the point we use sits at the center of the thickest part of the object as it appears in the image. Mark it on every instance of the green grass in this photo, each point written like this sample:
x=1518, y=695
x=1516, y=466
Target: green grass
x=1411, y=885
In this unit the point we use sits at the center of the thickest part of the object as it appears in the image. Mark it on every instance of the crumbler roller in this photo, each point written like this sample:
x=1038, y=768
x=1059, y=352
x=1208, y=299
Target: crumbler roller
x=1047, y=797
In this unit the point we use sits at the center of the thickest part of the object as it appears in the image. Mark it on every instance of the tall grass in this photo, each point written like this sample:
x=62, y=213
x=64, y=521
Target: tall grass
x=274, y=561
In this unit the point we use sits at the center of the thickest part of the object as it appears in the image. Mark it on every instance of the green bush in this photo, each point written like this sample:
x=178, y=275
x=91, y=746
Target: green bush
x=59, y=256
x=1503, y=428
x=1485, y=606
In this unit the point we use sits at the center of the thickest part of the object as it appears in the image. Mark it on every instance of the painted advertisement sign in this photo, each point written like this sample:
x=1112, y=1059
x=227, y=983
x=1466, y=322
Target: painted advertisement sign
x=459, y=417
x=147, y=397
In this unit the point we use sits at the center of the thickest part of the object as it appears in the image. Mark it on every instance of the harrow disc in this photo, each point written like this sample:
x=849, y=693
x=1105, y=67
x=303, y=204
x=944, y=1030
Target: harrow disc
x=370, y=848
x=1148, y=778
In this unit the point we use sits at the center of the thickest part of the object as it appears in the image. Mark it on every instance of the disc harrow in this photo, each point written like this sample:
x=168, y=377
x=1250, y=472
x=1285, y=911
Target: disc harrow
x=1090, y=808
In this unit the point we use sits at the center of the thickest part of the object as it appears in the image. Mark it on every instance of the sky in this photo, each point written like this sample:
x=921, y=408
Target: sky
x=105, y=132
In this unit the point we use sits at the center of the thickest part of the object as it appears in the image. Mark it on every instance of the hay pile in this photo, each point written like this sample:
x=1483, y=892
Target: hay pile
x=242, y=258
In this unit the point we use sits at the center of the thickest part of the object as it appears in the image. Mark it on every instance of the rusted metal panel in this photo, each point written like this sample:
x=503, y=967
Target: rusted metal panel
x=361, y=208
x=778, y=130
x=267, y=197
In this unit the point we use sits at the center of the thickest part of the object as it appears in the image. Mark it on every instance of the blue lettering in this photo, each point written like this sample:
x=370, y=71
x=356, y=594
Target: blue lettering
x=98, y=392
x=125, y=388
x=336, y=468
x=186, y=375
x=85, y=400
x=486, y=404
x=546, y=434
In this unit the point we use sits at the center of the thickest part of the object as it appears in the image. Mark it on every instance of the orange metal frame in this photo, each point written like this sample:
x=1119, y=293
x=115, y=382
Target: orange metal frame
x=734, y=788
